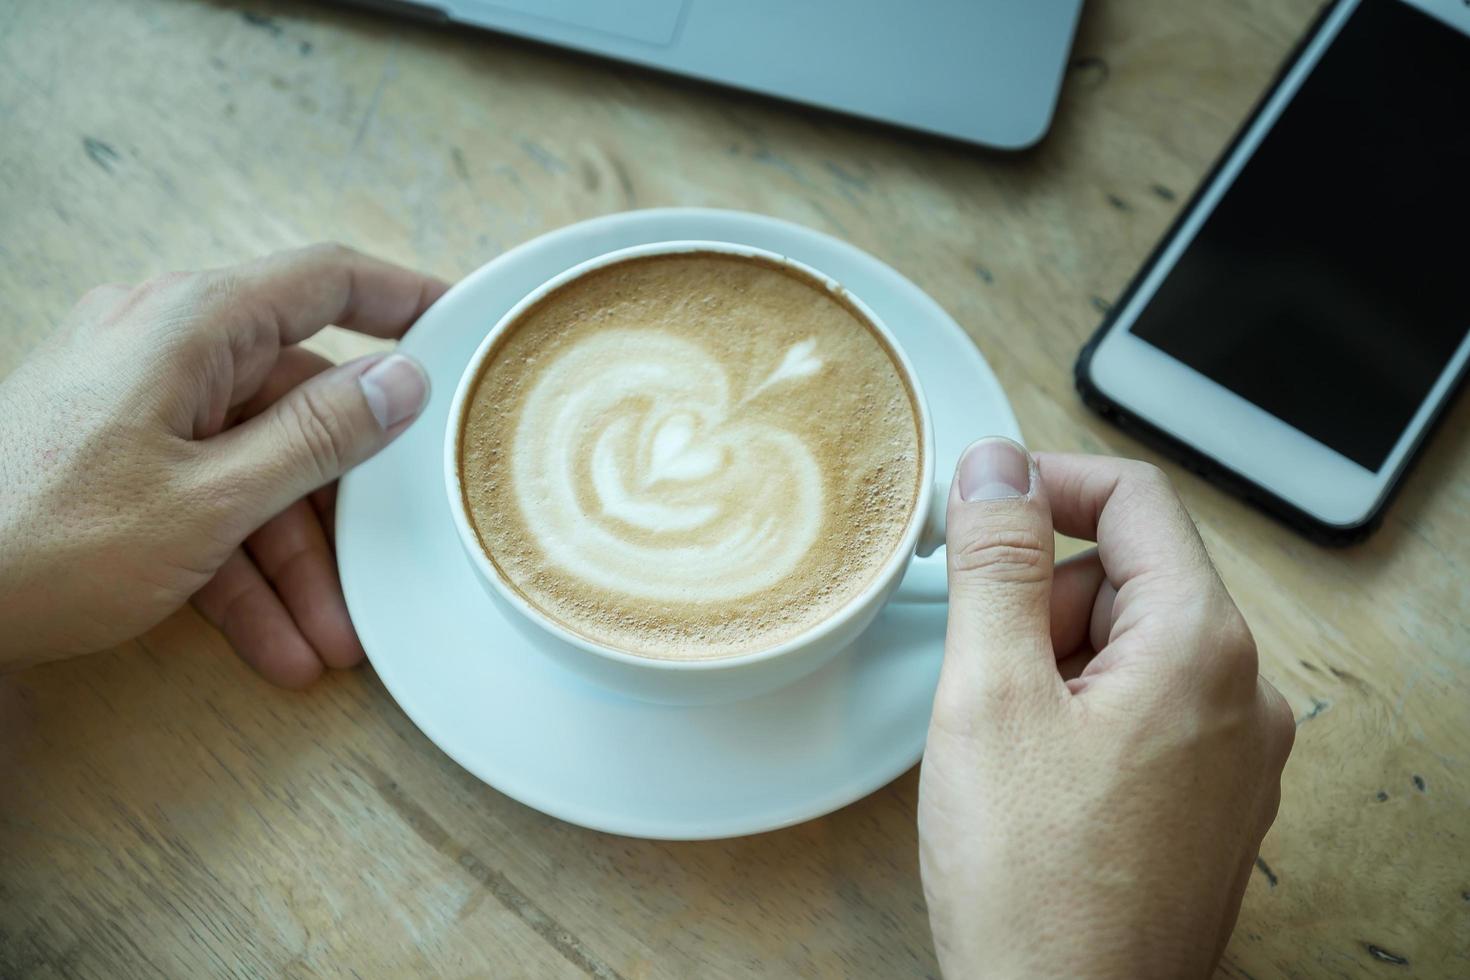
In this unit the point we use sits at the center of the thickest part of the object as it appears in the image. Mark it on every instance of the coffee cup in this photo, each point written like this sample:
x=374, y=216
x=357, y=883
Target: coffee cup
x=552, y=567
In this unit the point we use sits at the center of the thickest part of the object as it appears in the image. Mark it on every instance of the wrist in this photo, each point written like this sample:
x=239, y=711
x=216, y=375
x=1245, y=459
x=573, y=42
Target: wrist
x=1069, y=959
x=1078, y=939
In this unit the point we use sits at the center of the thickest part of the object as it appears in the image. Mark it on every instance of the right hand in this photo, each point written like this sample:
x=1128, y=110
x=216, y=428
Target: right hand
x=1104, y=758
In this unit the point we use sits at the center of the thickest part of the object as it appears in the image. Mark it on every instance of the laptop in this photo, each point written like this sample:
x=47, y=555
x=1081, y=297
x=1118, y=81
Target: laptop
x=982, y=71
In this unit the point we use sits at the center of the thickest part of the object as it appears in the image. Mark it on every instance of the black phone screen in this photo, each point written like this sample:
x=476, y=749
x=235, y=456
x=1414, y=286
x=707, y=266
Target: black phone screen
x=1331, y=284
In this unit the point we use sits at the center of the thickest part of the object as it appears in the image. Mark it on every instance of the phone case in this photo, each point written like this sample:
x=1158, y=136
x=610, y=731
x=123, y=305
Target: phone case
x=1209, y=468
x=1192, y=459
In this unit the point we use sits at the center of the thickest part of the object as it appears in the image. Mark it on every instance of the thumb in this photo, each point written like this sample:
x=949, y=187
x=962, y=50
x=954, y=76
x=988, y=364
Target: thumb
x=315, y=433
x=1000, y=550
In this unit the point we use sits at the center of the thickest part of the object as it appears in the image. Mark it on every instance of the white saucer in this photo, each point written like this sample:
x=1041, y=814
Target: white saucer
x=545, y=737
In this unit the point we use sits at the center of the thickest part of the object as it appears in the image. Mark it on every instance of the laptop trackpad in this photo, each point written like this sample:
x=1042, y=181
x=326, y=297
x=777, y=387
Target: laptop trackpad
x=649, y=21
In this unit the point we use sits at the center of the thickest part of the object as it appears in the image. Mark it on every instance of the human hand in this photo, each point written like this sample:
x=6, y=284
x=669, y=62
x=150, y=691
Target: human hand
x=1101, y=819
x=172, y=441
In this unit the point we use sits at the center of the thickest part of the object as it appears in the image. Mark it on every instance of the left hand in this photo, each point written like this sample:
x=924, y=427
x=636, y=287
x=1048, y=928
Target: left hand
x=173, y=441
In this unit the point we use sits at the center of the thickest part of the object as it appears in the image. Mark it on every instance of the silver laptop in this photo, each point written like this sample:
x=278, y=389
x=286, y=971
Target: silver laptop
x=984, y=71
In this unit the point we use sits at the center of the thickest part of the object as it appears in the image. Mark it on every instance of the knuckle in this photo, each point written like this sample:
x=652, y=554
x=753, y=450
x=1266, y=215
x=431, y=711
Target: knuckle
x=1009, y=554
x=1233, y=629
x=218, y=286
x=329, y=252
x=1281, y=724
x=108, y=292
x=174, y=297
x=1231, y=673
x=1273, y=805
x=312, y=426
x=1236, y=644
x=1149, y=475
x=162, y=284
x=1211, y=627
x=1285, y=732
x=1146, y=482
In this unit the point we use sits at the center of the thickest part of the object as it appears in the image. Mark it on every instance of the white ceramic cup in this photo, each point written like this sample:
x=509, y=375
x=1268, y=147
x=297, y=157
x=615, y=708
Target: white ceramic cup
x=912, y=573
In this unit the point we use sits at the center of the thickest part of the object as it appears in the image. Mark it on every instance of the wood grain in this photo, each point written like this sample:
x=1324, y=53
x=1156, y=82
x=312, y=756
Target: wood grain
x=165, y=813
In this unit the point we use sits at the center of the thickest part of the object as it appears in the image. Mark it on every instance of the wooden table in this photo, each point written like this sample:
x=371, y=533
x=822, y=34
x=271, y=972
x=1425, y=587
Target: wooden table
x=162, y=811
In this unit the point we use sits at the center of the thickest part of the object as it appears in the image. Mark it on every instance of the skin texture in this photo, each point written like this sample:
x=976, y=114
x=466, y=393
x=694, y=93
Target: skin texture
x=1103, y=758
x=171, y=441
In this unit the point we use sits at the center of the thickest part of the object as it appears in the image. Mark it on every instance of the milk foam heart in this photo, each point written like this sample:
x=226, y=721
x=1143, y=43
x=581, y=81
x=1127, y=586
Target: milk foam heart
x=690, y=500
x=690, y=456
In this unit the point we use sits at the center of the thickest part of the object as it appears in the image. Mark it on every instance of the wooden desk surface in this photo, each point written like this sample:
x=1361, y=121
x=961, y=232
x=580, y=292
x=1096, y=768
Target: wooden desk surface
x=164, y=812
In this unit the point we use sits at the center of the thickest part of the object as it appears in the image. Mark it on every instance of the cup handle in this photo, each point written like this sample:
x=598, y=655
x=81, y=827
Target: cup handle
x=927, y=578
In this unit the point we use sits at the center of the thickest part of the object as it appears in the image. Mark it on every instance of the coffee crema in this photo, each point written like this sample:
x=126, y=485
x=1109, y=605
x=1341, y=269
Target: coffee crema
x=690, y=456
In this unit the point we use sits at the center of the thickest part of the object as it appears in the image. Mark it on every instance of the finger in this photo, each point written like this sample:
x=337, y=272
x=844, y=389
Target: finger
x=292, y=553
x=302, y=291
x=324, y=502
x=1161, y=577
x=256, y=309
x=293, y=366
x=1082, y=614
x=240, y=604
x=311, y=436
x=1131, y=510
x=1074, y=587
x=1000, y=579
x=1100, y=654
x=1071, y=667
x=1100, y=624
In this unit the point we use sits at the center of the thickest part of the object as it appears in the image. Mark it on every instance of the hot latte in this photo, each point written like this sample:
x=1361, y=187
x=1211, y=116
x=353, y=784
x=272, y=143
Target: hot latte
x=690, y=456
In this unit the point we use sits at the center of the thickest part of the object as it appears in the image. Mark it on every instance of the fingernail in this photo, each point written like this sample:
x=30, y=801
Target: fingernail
x=396, y=388
x=994, y=469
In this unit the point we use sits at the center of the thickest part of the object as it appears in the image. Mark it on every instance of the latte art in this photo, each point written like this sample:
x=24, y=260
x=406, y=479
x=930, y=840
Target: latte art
x=690, y=456
x=645, y=476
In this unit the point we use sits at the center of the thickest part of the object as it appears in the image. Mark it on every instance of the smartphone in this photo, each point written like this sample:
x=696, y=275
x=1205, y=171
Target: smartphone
x=1306, y=321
